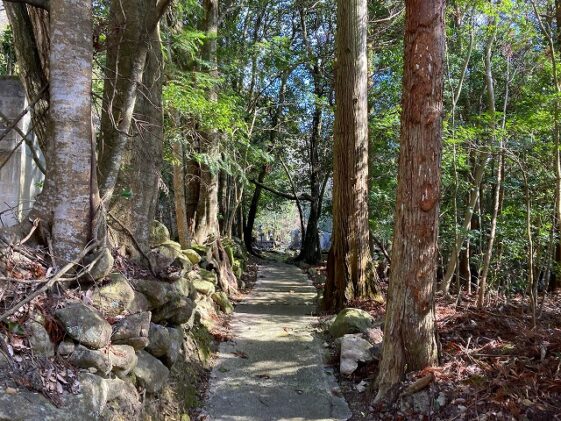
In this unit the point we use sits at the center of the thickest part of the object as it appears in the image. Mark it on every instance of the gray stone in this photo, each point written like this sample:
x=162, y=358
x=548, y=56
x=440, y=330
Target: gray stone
x=150, y=372
x=419, y=402
x=351, y=320
x=222, y=300
x=123, y=358
x=192, y=255
x=97, y=359
x=89, y=404
x=39, y=339
x=115, y=297
x=177, y=311
x=85, y=325
x=158, y=233
x=354, y=349
x=103, y=266
x=165, y=342
x=66, y=348
x=132, y=330
x=204, y=287
x=139, y=303
x=160, y=293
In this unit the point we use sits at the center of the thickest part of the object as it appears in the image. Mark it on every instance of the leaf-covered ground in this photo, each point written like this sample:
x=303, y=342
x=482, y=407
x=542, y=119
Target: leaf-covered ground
x=494, y=364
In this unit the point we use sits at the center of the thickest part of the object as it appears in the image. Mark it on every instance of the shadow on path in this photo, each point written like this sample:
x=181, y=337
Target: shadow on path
x=272, y=369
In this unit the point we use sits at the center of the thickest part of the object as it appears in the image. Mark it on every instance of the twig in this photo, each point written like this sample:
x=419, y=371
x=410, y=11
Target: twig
x=28, y=236
x=49, y=283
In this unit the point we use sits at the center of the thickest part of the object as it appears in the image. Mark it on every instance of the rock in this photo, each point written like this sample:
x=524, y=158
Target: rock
x=204, y=287
x=351, y=320
x=192, y=255
x=165, y=342
x=139, y=303
x=66, y=348
x=221, y=298
x=201, y=250
x=89, y=404
x=115, y=297
x=103, y=266
x=237, y=269
x=177, y=311
x=85, y=325
x=150, y=372
x=89, y=358
x=354, y=349
x=158, y=233
x=160, y=293
x=375, y=336
x=123, y=358
x=132, y=330
x=206, y=308
x=208, y=276
x=39, y=339
x=419, y=402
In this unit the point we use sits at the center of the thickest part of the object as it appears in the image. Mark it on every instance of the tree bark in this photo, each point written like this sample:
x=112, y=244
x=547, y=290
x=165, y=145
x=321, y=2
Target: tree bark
x=70, y=108
x=205, y=222
x=409, y=331
x=139, y=177
x=350, y=271
x=179, y=196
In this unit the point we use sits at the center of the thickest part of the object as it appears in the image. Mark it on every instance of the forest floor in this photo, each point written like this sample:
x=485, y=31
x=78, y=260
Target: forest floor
x=272, y=367
x=494, y=364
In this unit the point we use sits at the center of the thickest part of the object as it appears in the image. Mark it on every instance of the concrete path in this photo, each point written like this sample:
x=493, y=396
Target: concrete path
x=273, y=368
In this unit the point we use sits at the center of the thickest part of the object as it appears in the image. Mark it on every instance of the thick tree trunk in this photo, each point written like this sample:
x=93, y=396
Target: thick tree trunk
x=138, y=180
x=131, y=28
x=350, y=271
x=205, y=222
x=409, y=331
x=70, y=108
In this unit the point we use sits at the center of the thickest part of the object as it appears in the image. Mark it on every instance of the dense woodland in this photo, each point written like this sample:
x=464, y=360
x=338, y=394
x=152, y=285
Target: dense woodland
x=424, y=136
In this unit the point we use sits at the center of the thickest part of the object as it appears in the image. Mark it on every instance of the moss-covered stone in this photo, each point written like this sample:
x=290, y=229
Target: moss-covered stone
x=204, y=287
x=222, y=300
x=351, y=320
x=159, y=233
x=208, y=276
x=192, y=255
x=115, y=297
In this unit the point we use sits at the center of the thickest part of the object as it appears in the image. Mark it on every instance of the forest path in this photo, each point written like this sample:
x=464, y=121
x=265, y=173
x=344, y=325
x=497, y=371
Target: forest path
x=273, y=368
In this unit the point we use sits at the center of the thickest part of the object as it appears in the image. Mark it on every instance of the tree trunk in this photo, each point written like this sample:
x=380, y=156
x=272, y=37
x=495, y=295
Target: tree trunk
x=70, y=108
x=179, y=195
x=497, y=191
x=409, y=331
x=131, y=28
x=350, y=271
x=205, y=222
x=252, y=212
x=139, y=177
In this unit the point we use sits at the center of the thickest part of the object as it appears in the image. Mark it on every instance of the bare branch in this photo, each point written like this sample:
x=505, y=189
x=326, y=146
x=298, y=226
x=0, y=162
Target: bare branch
x=300, y=196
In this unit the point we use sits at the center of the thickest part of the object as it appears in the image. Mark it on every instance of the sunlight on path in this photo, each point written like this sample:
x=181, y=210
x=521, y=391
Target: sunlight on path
x=273, y=368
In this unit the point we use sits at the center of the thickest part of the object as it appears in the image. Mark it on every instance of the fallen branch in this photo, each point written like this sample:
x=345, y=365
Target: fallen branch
x=418, y=385
x=58, y=276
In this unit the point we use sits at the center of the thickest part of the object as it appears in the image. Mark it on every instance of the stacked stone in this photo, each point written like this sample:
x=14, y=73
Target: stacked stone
x=133, y=329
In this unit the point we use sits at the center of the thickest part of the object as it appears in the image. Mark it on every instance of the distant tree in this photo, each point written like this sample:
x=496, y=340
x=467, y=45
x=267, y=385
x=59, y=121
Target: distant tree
x=409, y=332
x=350, y=271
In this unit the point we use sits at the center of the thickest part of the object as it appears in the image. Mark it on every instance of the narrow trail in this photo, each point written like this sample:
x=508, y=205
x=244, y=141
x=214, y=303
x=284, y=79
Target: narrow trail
x=272, y=369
